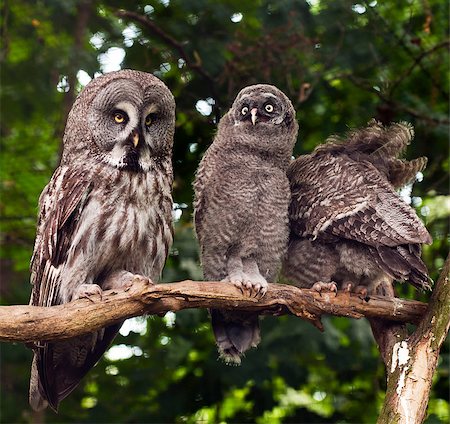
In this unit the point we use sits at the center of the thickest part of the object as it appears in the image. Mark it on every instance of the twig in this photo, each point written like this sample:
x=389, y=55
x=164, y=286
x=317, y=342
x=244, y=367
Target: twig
x=306, y=91
x=401, y=42
x=30, y=323
x=416, y=62
x=176, y=45
x=359, y=83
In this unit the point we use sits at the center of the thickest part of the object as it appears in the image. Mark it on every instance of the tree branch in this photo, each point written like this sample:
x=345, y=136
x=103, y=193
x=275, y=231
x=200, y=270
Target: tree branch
x=358, y=82
x=177, y=46
x=414, y=360
x=416, y=62
x=401, y=42
x=32, y=323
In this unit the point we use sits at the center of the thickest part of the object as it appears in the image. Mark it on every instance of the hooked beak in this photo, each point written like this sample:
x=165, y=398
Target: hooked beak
x=135, y=138
x=253, y=112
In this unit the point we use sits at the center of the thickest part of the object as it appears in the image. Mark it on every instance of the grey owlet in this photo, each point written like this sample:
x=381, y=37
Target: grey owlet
x=105, y=214
x=241, y=205
x=349, y=227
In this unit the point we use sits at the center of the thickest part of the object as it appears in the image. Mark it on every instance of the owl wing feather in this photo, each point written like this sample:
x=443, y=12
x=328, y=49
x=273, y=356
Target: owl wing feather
x=60, y=204
x=336, y=196
x=62, y=365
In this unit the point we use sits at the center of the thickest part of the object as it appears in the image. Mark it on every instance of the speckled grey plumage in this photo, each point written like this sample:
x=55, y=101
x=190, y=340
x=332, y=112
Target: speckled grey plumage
x=241, y=205
x=348, y=224
x=105, y=213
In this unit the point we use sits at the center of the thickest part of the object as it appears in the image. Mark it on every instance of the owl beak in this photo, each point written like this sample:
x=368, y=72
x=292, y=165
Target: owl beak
x=253, y=112
x=135, y=138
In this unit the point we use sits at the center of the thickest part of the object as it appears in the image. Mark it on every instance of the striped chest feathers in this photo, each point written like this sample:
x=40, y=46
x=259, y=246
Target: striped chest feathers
x=131, y=213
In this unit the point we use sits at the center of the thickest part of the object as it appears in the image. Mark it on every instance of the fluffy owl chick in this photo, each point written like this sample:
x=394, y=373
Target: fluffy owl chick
x=349, y=227
x=241, y=205
x=105, y=214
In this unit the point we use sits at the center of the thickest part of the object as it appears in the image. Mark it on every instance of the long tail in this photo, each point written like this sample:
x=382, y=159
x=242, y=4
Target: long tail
x=58, y=367
x=235, y=333
x=404, y=263
x=37, y=401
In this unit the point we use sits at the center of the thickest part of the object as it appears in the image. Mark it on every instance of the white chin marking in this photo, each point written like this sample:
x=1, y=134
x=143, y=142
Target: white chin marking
x=116, y=156
x=145, y=159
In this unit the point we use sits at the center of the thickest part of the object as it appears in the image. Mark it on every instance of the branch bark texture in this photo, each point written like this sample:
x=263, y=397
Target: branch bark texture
x=32, y=323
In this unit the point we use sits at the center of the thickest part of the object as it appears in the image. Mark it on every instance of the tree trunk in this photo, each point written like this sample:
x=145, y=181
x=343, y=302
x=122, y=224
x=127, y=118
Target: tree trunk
x=413, y=360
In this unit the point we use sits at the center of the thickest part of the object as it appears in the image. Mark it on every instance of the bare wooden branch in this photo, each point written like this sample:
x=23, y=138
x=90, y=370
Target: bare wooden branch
x=365, y=85
x=194, y=65
x=166, y=38
x=416, y=61
x=31, y=323
x=414, y=360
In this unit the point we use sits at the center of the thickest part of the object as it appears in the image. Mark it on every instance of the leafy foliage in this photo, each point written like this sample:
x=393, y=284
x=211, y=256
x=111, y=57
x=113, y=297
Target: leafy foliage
x=341, y=63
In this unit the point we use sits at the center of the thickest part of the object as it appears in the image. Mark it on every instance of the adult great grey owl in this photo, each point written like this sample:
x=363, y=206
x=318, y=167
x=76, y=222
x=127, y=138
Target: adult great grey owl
x=241, y=205
x=105, y=214
x=349, y=227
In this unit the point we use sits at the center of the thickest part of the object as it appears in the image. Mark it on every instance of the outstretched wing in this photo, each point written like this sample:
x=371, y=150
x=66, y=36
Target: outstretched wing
x=337, y=198
x=333, y=195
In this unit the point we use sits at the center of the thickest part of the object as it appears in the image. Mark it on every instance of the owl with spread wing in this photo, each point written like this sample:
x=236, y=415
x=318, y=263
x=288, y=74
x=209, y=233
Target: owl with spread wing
x=349, y=227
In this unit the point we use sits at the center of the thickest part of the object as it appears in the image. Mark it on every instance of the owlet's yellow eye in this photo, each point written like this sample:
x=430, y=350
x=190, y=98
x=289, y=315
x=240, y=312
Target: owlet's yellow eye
x=119, y=117
x=148, y=120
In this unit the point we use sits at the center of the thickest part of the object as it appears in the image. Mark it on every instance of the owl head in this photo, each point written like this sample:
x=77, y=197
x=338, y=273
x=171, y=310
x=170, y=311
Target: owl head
x=262, y=117
x=262, y=107
x=126, y=119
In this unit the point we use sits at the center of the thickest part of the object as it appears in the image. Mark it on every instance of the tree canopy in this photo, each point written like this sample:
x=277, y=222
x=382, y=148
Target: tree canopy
x=341, y=63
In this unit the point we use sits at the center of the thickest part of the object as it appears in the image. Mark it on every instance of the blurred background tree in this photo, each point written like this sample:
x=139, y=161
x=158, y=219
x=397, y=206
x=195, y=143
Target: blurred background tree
x=341, y=63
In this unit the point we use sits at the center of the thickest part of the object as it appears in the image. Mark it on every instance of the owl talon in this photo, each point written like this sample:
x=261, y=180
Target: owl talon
x=86, y=291
x=257, y=287
x=119, y=280
x=320, y=287
x=348, y=287
x=254, y=287
x=362, y=291
x=261, y=292
x=240, y=287
x=237, y=280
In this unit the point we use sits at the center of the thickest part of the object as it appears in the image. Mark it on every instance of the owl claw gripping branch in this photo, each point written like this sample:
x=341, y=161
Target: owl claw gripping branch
x=241, y=206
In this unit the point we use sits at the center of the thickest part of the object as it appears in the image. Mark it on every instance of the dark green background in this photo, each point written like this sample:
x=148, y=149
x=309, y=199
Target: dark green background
x=342, y=64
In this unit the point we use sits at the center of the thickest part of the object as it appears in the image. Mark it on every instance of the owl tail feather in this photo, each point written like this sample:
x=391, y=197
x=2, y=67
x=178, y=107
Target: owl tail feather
x=235, y=334
x=404, y=263
x=37, y=401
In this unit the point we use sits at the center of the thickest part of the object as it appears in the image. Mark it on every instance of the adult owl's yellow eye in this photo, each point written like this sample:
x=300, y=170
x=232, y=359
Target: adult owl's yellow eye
x=119, y=117
x=148, y=120
x=269, y=108
x=244, y=110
